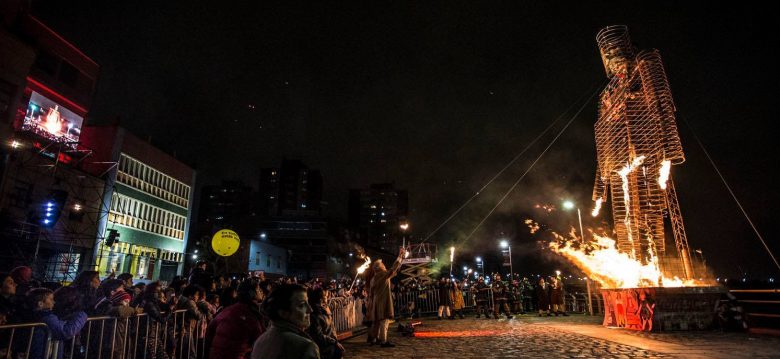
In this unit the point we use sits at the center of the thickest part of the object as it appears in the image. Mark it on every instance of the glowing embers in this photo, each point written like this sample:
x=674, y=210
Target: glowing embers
x=602, y=262
x=461, y=333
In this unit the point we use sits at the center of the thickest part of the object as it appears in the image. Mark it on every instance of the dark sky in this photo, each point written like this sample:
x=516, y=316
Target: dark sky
x=438, y=97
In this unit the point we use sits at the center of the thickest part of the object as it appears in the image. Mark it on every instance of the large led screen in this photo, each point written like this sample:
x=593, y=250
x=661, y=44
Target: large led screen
x=48, y=119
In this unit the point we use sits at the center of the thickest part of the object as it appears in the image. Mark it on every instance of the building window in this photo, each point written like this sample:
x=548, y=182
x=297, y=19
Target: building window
x=133, y=213
x=257, y=259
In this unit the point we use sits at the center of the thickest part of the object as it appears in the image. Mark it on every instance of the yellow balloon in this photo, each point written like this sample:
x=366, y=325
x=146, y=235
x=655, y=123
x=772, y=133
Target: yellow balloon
x=225, y=242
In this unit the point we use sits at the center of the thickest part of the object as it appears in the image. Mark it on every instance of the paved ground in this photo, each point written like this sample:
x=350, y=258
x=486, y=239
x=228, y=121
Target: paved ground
x=558, y=337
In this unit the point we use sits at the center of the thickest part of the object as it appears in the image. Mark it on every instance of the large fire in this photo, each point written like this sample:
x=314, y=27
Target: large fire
x=602, y=262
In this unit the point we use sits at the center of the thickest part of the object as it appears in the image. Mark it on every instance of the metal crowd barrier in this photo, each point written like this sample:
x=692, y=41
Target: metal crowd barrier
x=760, y=308
x=136, y=337
x=423, y=302
x=347, y=314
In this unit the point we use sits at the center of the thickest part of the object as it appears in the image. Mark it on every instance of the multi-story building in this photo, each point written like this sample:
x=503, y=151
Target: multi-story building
x=49, y=206
x=290, y=190
x=377, y=212
x=147, y=198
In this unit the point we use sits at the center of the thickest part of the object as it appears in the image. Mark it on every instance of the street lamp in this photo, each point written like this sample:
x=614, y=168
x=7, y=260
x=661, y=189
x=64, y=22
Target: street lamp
x=505, y=244
x=571, y=205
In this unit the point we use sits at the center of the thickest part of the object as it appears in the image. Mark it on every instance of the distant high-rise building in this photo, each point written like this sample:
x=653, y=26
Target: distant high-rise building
x=290, y=190
x=224, y=204
x=377, y=213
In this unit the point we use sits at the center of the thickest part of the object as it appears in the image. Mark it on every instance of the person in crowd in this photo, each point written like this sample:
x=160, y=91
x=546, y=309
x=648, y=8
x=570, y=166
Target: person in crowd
x=121, y=309
x=158, y=310
x=456, y=298
x=444, y=297
x=231, y=334
x=206, y=310
x=380, y=308
x=214, y=302
x=9, y=301
x=321, y=329
x=88, y=282
x=41, y=300
x=177, y=284
x=481, y=292
x=127, y=281
x=500, y=297
x=188, y=302
x=107, y=289
x=228, y=297
x=136, y=291
x=24, y=281
x=557, y=299
x=543, y=297
x=199, y=276
x=288, y=308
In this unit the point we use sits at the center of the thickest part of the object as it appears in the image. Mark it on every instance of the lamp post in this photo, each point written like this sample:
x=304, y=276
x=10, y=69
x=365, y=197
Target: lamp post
x=505, y=244
x=570, y=205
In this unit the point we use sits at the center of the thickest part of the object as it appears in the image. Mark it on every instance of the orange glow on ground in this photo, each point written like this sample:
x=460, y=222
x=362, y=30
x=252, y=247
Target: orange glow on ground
x=460, y=333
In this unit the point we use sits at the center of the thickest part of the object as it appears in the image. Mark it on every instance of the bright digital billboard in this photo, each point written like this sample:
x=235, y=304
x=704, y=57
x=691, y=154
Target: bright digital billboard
x=47, y=118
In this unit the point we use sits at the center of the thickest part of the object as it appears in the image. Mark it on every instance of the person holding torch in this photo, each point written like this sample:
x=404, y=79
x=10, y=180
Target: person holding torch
x=380, y=307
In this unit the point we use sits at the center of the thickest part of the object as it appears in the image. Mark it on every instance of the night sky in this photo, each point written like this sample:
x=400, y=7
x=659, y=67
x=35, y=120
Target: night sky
x=437, y=98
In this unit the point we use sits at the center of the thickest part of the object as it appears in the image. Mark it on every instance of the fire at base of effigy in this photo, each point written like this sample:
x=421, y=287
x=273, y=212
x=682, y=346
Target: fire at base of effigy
x=637, y=295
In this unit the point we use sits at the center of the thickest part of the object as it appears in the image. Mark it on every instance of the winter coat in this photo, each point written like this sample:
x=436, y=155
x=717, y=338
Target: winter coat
x=322, y=332
x=231, y=334
x=456, y=298
x=192, y=314
x=556, y=294
x=444, y=294
x=60, y=330
x=543, y=297
x=124, y=325
x=283, y=340
x=381, y=301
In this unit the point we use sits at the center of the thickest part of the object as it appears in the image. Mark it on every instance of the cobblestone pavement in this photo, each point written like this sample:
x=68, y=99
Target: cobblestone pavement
x=557, y=337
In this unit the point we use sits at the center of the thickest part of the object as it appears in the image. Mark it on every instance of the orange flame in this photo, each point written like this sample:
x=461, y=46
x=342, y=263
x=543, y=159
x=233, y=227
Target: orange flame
x=597, y=208
x=663, y=178
x=364, y=266
x=602, y=262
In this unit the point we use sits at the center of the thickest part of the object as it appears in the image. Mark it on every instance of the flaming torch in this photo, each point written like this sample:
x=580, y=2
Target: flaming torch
x=360, y=271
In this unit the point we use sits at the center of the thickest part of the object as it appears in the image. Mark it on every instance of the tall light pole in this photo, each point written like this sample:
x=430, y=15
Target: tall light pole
x=570, y=205
x=480, y=264
x=505, y=244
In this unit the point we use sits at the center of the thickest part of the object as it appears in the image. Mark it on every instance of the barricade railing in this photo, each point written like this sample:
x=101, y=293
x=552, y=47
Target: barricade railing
x=19, y=340
x=347, y=314
x=760, y=307
x=175, y=335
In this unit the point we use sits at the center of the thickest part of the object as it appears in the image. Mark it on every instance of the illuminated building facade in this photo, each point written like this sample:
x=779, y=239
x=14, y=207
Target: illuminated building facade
x=49, y=203
x=147, y=201
x=637, y=142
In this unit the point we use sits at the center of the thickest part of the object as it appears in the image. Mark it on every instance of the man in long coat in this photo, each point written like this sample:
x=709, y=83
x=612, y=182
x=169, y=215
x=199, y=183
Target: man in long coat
x=380, y=307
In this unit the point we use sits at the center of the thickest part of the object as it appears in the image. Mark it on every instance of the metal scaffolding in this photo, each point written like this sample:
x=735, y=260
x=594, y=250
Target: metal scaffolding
x=637, y=142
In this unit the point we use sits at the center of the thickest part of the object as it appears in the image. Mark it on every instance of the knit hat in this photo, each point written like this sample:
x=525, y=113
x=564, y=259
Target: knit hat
x=120, y=296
